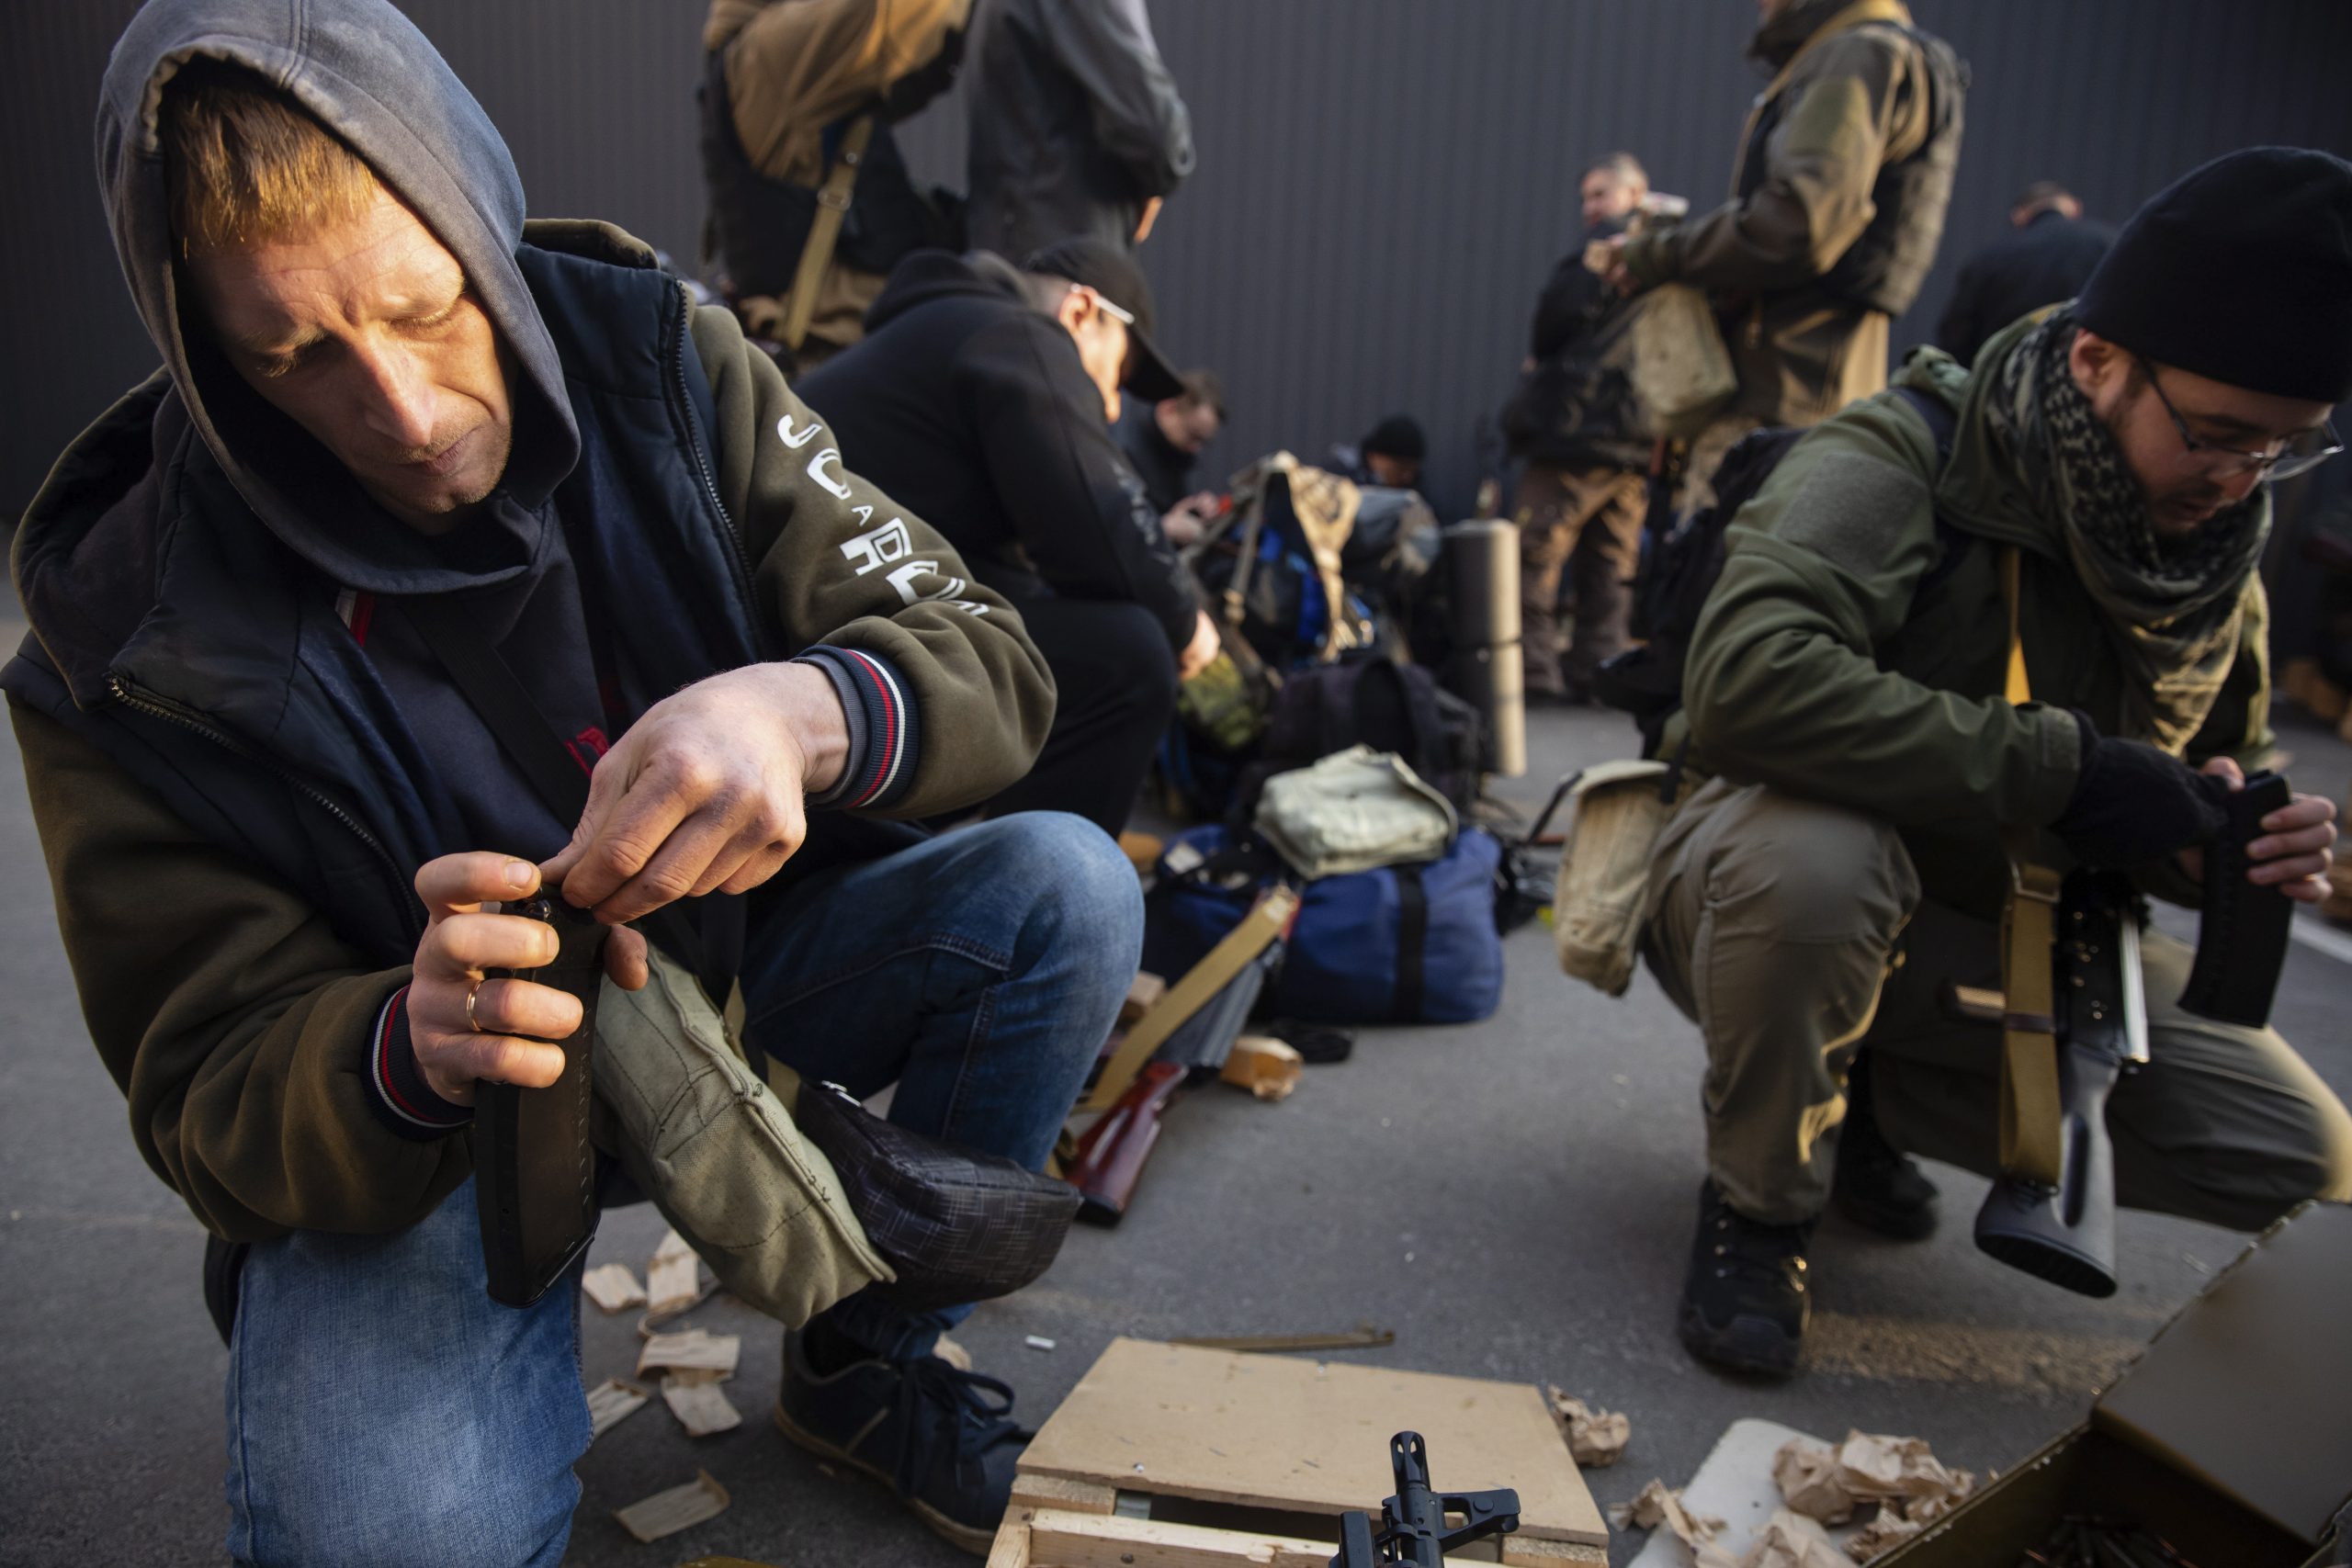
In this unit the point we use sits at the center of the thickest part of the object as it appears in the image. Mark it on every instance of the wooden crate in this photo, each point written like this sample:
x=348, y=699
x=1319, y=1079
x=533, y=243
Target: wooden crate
x=1170, y=1456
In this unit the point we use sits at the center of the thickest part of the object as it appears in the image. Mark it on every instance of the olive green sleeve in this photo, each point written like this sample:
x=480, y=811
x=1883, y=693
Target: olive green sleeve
x=232, y=1017
x=1851, y=112
x=1782, y=686
x=837, y=561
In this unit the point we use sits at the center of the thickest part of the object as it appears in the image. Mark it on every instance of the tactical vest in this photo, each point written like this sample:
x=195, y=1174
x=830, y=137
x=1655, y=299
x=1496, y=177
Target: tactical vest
x=1883, y=269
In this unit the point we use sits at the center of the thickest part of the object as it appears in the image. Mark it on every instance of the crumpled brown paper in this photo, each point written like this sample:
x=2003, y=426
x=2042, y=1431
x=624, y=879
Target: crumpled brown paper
x=1791, y=1540
x=1659, y=1504
x=1911, y=1487
x=1876, y=1466
x=1811, y=1483
x=1883, y=1534
x=1596, y=1438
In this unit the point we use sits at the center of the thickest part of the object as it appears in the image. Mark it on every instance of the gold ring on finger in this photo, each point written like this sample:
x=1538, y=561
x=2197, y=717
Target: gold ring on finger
x=472, y=1022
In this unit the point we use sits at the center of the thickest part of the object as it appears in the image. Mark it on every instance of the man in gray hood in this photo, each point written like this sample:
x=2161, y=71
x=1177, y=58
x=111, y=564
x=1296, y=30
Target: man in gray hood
x=277, y=825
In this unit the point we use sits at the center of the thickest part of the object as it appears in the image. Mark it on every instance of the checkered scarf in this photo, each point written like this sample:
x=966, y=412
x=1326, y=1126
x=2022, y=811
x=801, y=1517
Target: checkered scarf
x=2173, y=608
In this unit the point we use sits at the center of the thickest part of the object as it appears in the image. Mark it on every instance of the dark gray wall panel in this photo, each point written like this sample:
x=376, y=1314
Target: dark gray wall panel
x=1383, y=183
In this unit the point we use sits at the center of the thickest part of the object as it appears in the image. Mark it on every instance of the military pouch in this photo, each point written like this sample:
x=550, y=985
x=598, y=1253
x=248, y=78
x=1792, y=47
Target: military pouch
x=1601, y=894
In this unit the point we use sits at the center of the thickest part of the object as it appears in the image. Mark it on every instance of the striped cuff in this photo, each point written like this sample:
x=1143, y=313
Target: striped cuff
x=399, y=1095
x=883, y=729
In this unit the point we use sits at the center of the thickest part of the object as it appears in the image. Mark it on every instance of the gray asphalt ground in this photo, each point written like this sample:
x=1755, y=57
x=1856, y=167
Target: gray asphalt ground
x=1514, y=1199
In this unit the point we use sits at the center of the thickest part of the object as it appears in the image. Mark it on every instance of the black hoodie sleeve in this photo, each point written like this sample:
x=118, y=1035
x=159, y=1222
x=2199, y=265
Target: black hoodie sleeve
x=1079, y=510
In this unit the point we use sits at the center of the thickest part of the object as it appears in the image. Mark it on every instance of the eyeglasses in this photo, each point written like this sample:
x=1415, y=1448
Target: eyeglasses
x=1126, y=318
x=2298, y=454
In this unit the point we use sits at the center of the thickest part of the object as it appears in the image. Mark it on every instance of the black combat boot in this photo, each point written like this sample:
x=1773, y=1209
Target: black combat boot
x=1744, y=1303
x=1877, y=1186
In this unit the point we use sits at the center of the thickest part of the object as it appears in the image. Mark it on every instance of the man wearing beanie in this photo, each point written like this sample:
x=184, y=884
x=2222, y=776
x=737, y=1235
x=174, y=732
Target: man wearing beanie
x=1391, y=454
x=1853, y=762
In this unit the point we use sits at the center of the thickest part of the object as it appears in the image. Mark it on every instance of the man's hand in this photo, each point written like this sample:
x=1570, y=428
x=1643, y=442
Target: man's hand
x=515, y=1017
x=703, y=793
x=1200, y=650
x=1150, y=215
x=1183, y=522
x=1607, y=257
x=2292, y=853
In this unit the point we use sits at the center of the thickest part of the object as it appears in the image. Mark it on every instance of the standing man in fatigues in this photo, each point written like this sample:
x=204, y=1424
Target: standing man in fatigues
x=1582, y=486
x=1845, y=170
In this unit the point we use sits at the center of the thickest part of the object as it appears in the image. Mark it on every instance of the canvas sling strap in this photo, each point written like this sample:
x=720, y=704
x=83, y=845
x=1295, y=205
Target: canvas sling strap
x=2032, y=1116
x=825, y=229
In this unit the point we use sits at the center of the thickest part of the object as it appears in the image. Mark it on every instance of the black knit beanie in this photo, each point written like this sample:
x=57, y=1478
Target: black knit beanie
x=2240, y=271
x=1398, y=436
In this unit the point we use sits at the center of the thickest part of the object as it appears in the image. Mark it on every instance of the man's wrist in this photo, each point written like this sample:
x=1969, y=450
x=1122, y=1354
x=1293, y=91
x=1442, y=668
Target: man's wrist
x=882, y=729
x=813, y=710
x=397, y=1087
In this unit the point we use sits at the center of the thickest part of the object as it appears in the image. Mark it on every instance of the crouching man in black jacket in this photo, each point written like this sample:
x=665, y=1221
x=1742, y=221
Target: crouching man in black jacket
x=982, y=397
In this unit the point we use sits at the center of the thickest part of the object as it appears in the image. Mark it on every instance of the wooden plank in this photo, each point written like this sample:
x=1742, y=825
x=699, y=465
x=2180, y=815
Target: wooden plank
x=1011, y=1547
x=1087, y=1540
x=1270, y=1431
x=1526, y=1552
x=1069, y=1496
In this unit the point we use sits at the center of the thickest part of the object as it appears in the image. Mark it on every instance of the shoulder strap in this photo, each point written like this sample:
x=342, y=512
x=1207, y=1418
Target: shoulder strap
x=2031, y=1112
x=825, y=229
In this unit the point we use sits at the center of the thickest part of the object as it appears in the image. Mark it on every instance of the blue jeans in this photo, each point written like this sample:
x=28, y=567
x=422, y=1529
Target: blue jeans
x=382, y=1408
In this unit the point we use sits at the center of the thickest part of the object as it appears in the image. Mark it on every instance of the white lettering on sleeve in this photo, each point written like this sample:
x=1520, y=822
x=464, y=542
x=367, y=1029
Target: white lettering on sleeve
x=888, y=543
x=832, y=455
x=796, y=439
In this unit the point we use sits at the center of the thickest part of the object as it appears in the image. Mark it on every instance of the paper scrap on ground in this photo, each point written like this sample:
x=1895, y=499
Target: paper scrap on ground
x=694, y=1348
x=1911, y=1487
x=613, y=1287
x=674, y=1279
x=700, y=1407
x=1791, y=1540
x=1596, y=1438
x=1039, y=1342
x=667, y=1513
x=610, y=1402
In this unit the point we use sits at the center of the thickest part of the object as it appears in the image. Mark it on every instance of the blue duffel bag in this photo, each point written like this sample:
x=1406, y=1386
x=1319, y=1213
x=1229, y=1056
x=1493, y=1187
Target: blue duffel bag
x=1402, y=944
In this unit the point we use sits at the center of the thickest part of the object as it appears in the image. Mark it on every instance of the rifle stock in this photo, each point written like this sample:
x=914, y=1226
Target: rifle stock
x=1111, y=1154
x=2065, y=1233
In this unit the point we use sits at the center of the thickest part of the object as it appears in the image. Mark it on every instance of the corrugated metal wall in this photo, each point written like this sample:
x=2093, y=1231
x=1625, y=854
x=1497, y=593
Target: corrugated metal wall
x=1383, y=184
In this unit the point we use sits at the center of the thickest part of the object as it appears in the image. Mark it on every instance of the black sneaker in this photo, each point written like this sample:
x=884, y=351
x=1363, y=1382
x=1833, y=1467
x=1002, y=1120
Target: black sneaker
x=1877, y=1186
x=1744, y=1303
x=943, y=1439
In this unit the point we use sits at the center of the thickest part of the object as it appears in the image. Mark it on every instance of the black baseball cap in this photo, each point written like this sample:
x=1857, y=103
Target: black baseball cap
x=1112, y=274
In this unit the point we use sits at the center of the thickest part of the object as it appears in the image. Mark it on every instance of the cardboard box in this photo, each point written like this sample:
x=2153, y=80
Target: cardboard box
x=2231, y=1436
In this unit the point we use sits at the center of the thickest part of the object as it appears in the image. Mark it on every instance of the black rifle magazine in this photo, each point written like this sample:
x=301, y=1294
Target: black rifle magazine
x=535, y=1171
x=2242, y=933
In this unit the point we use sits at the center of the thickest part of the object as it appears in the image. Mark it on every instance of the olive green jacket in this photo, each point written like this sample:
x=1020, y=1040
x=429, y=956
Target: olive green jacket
x=1819, y=666
x=1855, y=99
x=235, y=1018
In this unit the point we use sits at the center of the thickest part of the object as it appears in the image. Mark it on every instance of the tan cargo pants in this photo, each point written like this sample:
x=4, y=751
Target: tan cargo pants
x=1584, y=525
x=1794, y=932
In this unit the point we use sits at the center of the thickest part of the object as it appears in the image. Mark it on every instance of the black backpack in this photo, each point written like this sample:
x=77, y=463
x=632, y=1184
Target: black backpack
x=1686, y=555
x=1376, y=702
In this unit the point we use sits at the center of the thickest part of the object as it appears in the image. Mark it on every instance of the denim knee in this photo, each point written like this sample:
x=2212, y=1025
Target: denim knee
x=1082, y=896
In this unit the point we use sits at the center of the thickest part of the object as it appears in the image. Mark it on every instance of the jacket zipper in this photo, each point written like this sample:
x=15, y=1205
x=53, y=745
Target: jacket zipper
x=186, y=719
x=683, y=407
